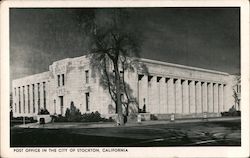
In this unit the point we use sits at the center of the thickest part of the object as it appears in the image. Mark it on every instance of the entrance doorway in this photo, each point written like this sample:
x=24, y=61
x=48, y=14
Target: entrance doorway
x=61, y=104
x=87, y=101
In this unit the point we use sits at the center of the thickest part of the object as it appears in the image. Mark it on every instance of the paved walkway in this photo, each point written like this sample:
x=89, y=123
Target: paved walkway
x=65, y=125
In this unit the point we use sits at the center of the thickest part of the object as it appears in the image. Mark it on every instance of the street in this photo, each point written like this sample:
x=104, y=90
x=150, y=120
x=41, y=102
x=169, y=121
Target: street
x=219, y=133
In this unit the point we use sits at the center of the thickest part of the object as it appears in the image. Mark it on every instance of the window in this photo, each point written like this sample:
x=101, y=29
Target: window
x=87, y=101
x=15, y=91
x=140, y=77
x=15, y=107
x=44, y=95
x=19, y=100
x=38, y=96
x=23, y=100
x=28, y=91
x=158, y=79
x=63, y=79
x=33, y=97
x=61, y=104
x=58, y=80
x=87, y=76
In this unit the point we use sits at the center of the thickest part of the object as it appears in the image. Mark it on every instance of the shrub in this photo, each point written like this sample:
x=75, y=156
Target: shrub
x=153, y=117
x=43, y=112
x=59, y=118
x=92, y=117
x=231, y=112
x=20, y=119
x=73, y=114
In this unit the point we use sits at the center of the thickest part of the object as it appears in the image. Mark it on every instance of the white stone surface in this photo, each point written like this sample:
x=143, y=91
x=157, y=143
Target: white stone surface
x=185, y=99
x=205, y=97
x=178, y=97
x=171, y=96
x=162, y=97
x=192, y=97
x=198, y=98
x=216, y=97
x=210, y=98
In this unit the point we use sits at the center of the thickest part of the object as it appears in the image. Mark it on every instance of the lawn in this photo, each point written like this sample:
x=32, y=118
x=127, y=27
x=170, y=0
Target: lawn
x=219, y=133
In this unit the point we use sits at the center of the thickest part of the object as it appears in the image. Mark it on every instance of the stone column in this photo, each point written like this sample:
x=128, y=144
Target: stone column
x=42, y=96
x=178, y=96
x=153, y=97
x=149, y=94
x=134, y=86
x=210, y=98
x=204, y=96
x=171, y=96
x=31, y=99
x=38, y=97
x=221, y=98
x=28, y=99
x=166, y=96
x=143, y=90
x=185, y=97
x=198, y=97
x=162, y=96
x=216, y=107
x=21, y=99
x=192, y=97
x=224, y=97
x=18, y=100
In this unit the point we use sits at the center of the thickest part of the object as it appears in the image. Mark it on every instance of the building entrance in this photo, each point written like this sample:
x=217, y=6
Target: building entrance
x=61, y=104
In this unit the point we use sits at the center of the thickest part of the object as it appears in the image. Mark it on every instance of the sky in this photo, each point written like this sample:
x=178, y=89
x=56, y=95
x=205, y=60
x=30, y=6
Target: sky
x=201, y=37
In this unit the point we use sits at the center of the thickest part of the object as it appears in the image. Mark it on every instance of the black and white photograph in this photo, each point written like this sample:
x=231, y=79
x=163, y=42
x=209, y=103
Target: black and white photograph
x=111, y=79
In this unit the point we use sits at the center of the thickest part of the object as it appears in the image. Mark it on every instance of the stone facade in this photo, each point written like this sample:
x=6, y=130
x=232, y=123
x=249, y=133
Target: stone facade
x=168, y=89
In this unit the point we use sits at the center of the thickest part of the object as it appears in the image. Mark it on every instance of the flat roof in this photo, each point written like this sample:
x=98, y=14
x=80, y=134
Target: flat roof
x=182, y=66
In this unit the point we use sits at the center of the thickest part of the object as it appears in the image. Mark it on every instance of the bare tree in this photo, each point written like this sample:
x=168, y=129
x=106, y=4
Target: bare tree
x=115, y=46
x=236, y=94
x=236, y=99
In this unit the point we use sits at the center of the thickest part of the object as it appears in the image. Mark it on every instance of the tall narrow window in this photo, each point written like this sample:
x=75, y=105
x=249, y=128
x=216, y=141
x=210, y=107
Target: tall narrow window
x=87, y=76
x=28, y=91
x=58, y=80
x=23, y=100
x=44, y=95
x=61, y=104
x=19, y=100
x=87, y=101
x=33, y=98
x=38, y=96
x=15, y=107
x=15, y=91
x=63, y=79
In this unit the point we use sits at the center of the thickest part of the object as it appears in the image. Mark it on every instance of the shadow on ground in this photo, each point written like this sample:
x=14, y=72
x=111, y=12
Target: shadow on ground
x=220, y=133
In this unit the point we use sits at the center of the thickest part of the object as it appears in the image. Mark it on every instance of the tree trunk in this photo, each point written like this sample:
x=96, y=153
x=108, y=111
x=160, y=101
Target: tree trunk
x=118, y=95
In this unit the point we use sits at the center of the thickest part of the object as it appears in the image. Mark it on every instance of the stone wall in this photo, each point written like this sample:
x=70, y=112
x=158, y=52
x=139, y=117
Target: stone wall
x=167, y=89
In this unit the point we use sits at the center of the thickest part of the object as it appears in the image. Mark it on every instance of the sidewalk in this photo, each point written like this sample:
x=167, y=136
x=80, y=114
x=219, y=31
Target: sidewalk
x=69, y=125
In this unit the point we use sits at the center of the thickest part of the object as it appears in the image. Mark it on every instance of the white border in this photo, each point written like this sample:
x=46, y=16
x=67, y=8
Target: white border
x=242, y=151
